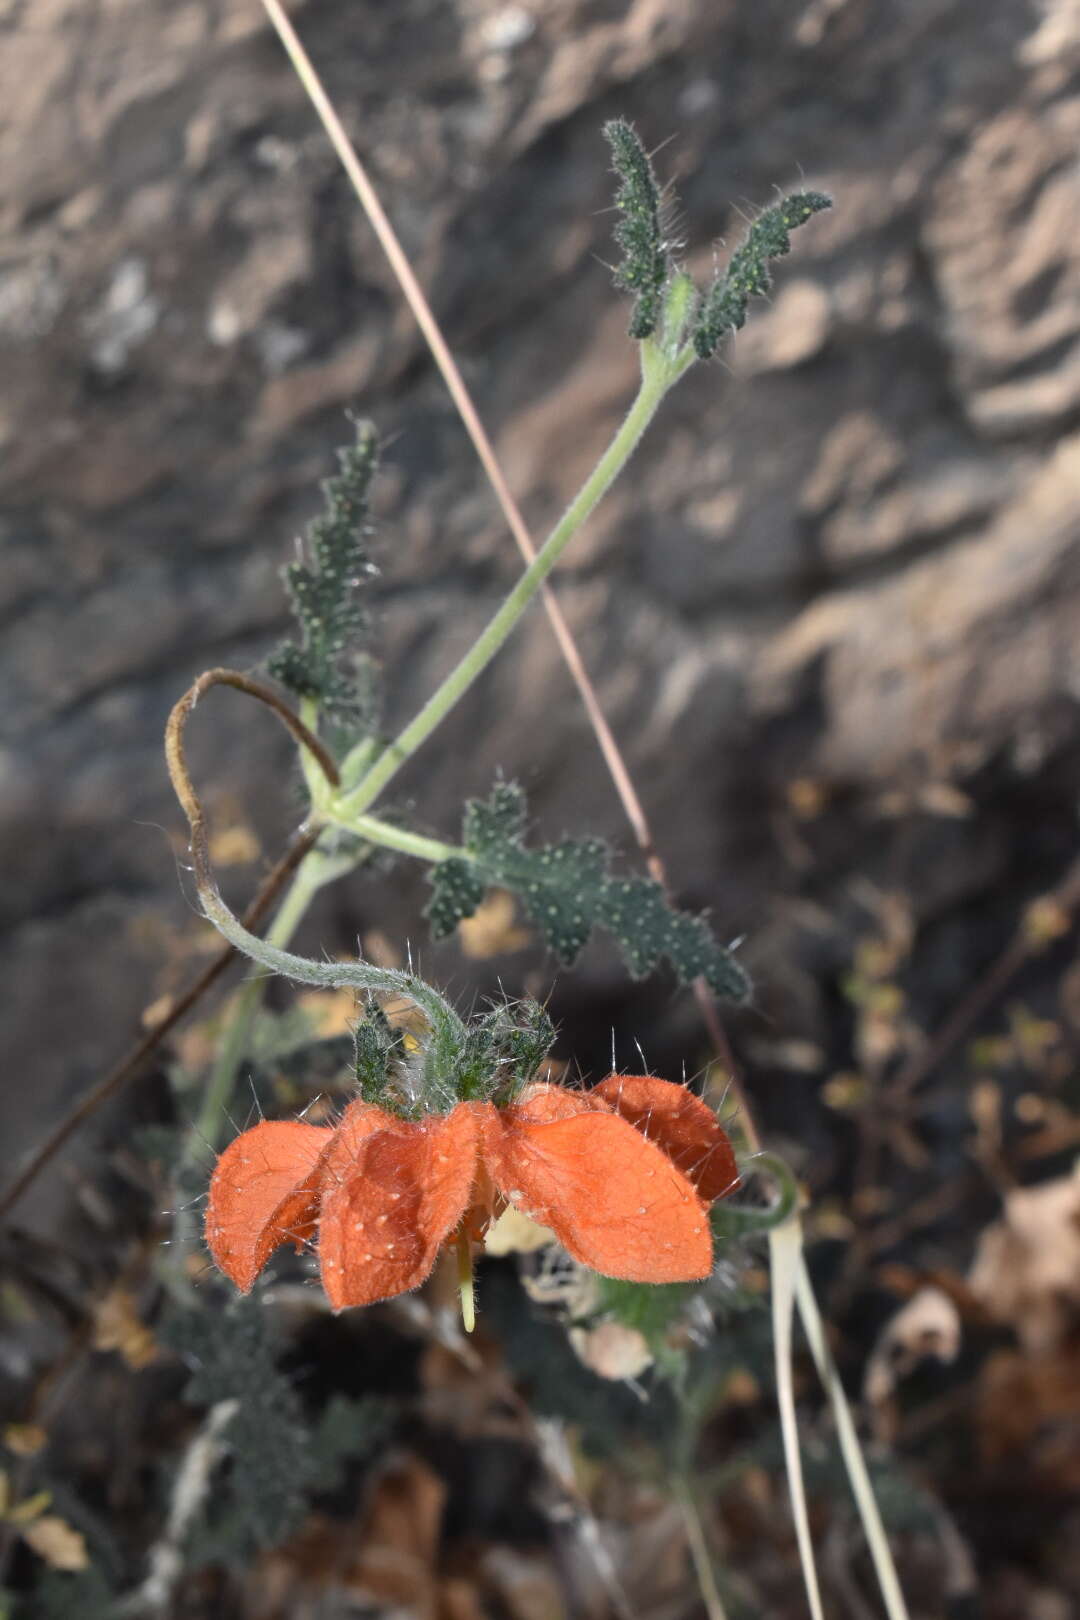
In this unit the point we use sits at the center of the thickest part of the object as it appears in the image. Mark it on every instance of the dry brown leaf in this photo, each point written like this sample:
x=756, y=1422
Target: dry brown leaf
x=524, y=1584
x=397, y=1559
x=234, y=846
x=492, y=929
x=24, y=1512
x=806, y=797
x=1026, y=1271
x=54, y=1540
x=943, y=799
x=928, y=1325
x=118, y=1326
x=24, y=1439
x=1029, y=1416
x=612, y=1350
x=158, y=1011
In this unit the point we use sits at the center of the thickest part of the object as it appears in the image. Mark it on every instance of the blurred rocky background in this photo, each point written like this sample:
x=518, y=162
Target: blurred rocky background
x=832, y=612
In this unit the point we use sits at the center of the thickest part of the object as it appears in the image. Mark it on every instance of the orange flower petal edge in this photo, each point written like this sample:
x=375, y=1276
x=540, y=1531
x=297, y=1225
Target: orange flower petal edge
x=264, y=1192
x=393, y=1191
x=622, y=1174
x=613, y=1198
x=681, y=1125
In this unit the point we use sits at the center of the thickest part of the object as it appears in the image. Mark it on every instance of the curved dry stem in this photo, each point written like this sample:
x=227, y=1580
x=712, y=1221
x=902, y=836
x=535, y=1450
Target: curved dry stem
x=447, y=1027
x=174, y=730
x=176, y=758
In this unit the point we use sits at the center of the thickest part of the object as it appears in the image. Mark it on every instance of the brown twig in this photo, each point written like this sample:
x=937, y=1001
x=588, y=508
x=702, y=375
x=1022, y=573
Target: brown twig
x=133, y=1061
x=176, y=760
x=271, y=886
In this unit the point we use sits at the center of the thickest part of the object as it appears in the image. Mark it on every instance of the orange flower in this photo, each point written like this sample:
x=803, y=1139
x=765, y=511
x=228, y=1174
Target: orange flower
x=623, y=1175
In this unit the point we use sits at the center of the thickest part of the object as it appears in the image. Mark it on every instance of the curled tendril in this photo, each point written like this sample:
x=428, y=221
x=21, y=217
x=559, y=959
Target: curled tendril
x=734, y=1220
x=448, y=1031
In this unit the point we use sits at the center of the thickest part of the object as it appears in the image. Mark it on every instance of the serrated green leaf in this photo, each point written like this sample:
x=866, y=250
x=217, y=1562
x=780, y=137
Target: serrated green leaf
x=723, y=308
x=567, y=890
x=457, y=892
x=327, y=591
x=231, y=1353
x=645, y=265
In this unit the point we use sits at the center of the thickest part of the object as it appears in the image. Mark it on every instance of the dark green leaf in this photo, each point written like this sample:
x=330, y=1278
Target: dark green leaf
x=327, y=589
x=723, y=308
x=567, y=890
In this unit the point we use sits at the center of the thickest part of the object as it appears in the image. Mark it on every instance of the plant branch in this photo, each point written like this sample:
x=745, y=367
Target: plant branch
x=327, y=975
x=658, y=375
x=414, y=296
x=389, y=836
x=288, y=717
x=474, y=427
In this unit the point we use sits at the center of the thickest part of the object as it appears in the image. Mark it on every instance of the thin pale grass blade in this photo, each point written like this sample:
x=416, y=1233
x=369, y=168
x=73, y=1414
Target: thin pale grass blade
x=861, y=1487
x=785, y=1261
x=699, y=1552
x=444, y=359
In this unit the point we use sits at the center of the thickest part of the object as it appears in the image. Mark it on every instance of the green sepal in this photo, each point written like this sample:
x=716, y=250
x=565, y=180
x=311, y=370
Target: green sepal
x=377, y=1049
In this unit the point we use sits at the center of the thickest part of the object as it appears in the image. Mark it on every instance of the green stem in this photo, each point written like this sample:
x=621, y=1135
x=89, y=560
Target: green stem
x=448, y=1030
x=310, y=877
x=314, y=778
x=659, y=371
x=400, y=838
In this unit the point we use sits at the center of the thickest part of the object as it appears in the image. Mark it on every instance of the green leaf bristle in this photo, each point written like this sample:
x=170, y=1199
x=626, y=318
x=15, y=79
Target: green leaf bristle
x=327, y=589
x=645, y=263
x=567, y=891
x=723, y=308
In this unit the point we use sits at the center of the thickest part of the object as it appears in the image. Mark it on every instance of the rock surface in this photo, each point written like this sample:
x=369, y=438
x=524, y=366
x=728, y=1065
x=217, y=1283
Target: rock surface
x=847, y=554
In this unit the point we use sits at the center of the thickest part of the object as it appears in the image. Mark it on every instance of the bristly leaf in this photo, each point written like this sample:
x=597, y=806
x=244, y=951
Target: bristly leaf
x=232, y=1356
x=327, y=593
x=567, y=891
x=723, y=308
x=639, y=233
x=377, y=1049
x=505, y=1050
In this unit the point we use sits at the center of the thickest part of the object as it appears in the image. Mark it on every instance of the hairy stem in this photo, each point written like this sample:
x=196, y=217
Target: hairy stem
x=234, y=1043
x=328, y=975
x=659, y=373
x=386, y=834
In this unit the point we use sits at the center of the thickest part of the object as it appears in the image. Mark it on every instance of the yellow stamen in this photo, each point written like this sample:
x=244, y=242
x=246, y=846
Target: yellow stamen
x=465, y=1280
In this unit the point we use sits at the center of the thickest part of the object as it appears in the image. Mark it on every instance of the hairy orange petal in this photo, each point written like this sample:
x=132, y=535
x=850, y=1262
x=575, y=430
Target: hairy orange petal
x=541, y=1103
x=263, y=1193
x=612, y=1198
x=683, y=1126
x=392, y=1192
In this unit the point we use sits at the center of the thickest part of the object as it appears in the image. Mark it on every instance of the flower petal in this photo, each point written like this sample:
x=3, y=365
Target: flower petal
x=392, y=1192
x=612, y=1198
x=683, y=1126
x=264, y=1192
